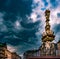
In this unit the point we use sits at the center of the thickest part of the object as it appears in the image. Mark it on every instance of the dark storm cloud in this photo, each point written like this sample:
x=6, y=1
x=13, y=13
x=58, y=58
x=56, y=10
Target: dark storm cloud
x=16, y=6
x=26, y=35
x=10, y=17
x=23, y=35
x=30, y=25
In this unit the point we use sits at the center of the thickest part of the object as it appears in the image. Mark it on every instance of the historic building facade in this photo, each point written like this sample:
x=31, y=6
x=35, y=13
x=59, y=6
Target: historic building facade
x=15, y=56
x=31, y=53
x=6, y=54
x=58, y=49
x=48, y=48
x=2, y=50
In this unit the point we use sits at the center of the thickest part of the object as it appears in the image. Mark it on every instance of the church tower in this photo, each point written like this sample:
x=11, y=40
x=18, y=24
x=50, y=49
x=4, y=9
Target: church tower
x=48, y=48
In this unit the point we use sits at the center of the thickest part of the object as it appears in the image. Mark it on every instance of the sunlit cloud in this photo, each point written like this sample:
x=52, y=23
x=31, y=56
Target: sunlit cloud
x=34, y=17
x=11, y=48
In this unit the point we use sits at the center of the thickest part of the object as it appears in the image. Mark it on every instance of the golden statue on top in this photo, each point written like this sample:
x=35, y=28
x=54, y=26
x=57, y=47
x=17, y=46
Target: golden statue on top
x=47, y=14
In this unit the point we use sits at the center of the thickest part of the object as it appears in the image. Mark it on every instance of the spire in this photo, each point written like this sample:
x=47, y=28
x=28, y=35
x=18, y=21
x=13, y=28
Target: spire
x=48, y=35
x=47, y=15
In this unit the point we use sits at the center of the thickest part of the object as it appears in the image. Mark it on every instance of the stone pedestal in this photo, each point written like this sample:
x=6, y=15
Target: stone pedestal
x=48, y=49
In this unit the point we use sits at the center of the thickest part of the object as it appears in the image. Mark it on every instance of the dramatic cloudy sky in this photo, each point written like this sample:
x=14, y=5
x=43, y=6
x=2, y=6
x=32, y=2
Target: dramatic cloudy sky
x=22, y=22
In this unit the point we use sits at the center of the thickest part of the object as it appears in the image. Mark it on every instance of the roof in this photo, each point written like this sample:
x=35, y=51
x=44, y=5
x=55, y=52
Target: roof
x=31, y=51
